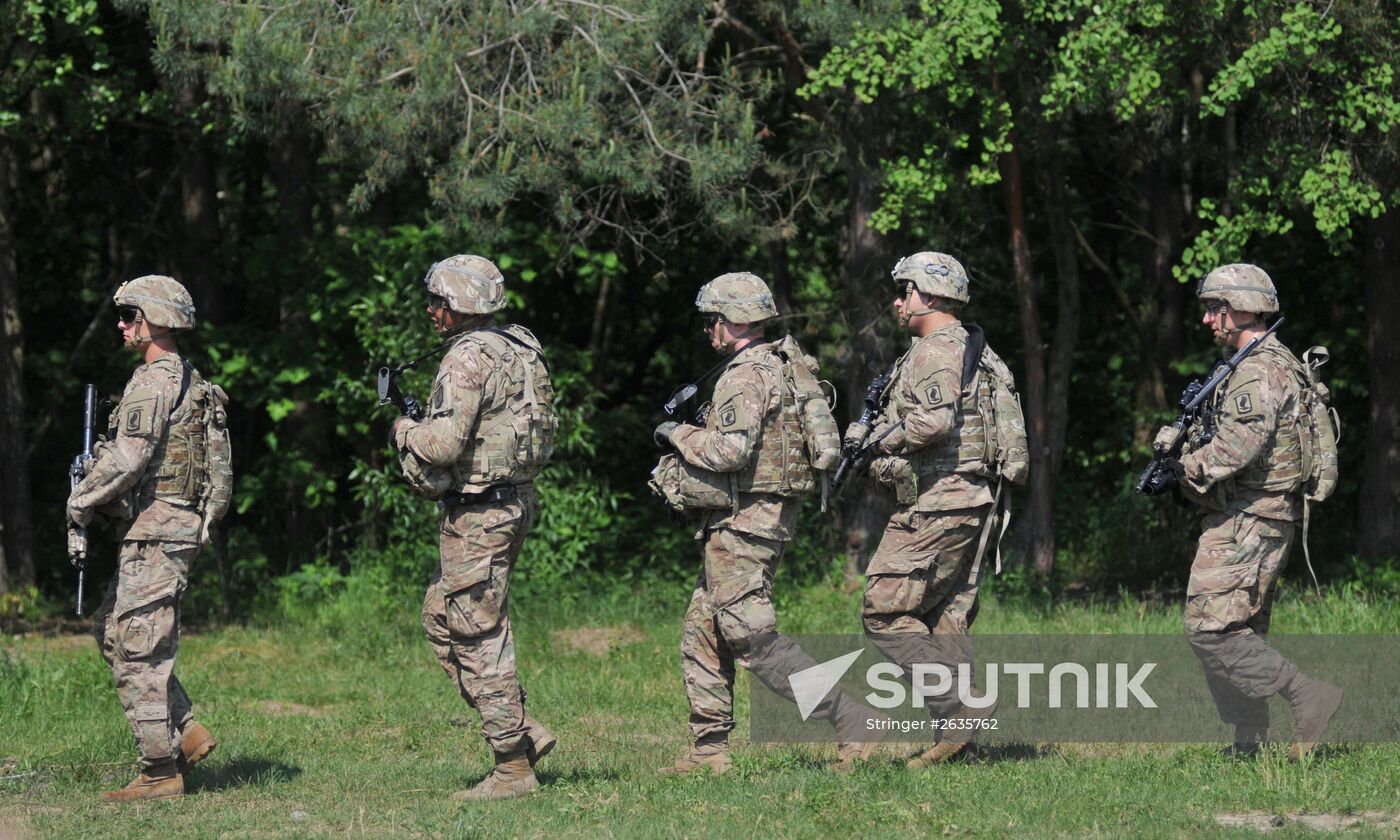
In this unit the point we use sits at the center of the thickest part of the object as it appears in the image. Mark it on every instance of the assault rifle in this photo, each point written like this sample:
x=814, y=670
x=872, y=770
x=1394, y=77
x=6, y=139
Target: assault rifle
x=77, y=534
x=389, y=389
x=674, y=408
x=1157, y=477
x=854, y=449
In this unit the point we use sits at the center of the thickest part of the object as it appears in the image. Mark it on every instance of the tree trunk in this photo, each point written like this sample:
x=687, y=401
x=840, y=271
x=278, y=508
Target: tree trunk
x=1042, y=501
x=1066, y=337
x=864, y=509
x=1378, y=523
x=201, y=265
x=1162, y=336
x=17, y=564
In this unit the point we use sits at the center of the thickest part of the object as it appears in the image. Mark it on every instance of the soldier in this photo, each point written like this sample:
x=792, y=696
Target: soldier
x=488, y=432
x=941, y=452
x=740, y=447
x=153, y=470
x=1247, y=479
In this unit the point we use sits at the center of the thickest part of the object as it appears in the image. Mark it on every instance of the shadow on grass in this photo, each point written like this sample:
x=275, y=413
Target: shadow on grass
x=996, y=753
x=579, y=774
x=240, y=772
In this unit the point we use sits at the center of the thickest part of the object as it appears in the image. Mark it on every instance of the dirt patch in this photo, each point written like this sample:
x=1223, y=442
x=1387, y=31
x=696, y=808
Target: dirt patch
x=15, y=827
x=599, y=641
x=279, y=707
x=1261, y=821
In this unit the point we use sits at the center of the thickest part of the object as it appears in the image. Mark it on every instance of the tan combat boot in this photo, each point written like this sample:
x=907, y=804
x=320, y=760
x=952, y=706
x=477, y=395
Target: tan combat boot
x=952, y=741
x=541, y=741
x=712, y=756
x=1313, y=703
x=153, y=783
x=1249, y=742
x=196, y=743
x=859, y=732
x=512, y=777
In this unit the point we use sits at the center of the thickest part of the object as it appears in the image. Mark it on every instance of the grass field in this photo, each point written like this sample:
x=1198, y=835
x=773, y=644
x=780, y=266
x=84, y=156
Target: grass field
x=345, y=726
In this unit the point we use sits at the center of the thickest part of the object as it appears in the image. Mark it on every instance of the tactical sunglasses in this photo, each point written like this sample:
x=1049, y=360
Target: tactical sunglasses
x=436, y=301
x=711, y=320
x=1215, y=307
x=128, y=314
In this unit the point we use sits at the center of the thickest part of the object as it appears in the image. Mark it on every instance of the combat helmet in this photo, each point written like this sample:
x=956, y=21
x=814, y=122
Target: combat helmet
x=1246, y=288
x=741, y=297
x=162, y=301
x=470, y=284
x=933, y=274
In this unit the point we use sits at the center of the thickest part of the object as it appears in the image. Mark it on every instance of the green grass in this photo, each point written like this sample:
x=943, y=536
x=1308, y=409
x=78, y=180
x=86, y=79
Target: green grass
x=347, y=726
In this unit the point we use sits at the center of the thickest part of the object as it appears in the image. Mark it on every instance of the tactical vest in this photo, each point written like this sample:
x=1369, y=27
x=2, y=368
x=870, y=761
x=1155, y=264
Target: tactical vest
x=988, y=437
x=513, y=437
x=780, y=465
x=1279, y=467
x=181, y=473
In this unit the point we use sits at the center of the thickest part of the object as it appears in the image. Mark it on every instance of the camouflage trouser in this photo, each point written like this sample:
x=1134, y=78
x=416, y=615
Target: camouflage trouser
x=464, y=612
x=138, y=632
x=921, y=593
x=1229, y=600
x=731, y=619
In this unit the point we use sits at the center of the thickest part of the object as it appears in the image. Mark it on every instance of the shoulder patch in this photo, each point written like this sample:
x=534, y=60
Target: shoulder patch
x=441, y=400
x=732, y=416
x=1243, y=403
x=139, y=418
x=935, y=395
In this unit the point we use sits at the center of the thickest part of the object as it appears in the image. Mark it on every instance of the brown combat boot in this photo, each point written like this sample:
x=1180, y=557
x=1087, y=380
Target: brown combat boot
x=952, y=741
x=1313, y=703
x=705, y=755
x=512, y=777
x=859, y=732
x=1249, y=742
x=196, y=743
x=541, y=741
x=153, y=783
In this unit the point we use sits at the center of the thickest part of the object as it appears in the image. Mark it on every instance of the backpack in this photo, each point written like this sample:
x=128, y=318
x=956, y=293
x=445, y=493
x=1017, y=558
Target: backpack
x=1319, y=430
x=804, y=396
x=987, y=378
x=218, y=459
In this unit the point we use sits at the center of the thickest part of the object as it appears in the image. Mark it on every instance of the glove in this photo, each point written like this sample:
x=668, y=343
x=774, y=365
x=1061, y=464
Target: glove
x=1166, y=478
x=855, y=436
x=1166, y=438
x=79, y=516
x=663, y=433
x=893, y=443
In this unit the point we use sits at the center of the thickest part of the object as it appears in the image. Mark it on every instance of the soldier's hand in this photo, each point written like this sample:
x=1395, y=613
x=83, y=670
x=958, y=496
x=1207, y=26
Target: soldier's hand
x=893, y=443
x=77, y=546
x=1166, y=438
x=79, y=516
x=854, y=437
x=663, y=433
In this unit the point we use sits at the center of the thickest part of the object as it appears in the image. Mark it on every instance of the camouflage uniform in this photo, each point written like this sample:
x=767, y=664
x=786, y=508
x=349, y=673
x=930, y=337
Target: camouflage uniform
x=921, y=586
x=1243, y=465
x=1247, y=481
x=730, y=618
x=757, y=447
x=151, y=470
x=469, y=446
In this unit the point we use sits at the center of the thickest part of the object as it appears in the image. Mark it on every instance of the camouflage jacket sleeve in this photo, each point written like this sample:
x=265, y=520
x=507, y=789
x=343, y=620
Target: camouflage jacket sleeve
x=928, y=393
x=141, y=419
x=727, y=442
x=464, y=380
x=1248, y=416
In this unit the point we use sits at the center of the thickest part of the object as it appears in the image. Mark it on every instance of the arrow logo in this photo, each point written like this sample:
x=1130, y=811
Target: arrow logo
x=811, y=685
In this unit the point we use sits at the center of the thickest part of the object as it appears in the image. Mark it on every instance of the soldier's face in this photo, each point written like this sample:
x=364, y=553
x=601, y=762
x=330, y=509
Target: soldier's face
x=718, y=330
x=444, y=319
x=136, y=333
x=1224, y=322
